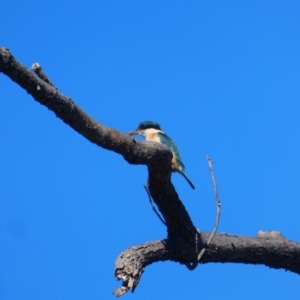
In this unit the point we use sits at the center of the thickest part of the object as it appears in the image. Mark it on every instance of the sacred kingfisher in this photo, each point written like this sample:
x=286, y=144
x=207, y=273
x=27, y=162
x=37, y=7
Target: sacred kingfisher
x=152, y=132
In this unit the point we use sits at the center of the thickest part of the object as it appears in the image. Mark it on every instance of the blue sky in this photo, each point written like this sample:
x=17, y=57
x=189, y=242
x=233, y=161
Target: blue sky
x=222, y=79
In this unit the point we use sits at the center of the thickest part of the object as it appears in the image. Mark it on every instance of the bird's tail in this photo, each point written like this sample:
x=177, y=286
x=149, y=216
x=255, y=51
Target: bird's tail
x=188, y=180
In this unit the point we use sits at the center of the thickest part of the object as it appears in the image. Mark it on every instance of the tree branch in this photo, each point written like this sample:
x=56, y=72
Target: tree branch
x=267, y=248
x=218, y=205
x=37, y=69
x=270, y=249
x=156, y=156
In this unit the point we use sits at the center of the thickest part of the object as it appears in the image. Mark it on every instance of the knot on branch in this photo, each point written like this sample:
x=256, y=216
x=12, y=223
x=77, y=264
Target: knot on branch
x=275, y=234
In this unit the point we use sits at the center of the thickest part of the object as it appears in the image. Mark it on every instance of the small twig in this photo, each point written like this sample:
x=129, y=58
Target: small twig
x=151, y=202
x=37, y=69
x=218, y=204
x=192, y=265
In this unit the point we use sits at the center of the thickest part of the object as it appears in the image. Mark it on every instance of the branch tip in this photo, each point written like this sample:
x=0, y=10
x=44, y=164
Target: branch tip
x=130, y=281
x=37, y=69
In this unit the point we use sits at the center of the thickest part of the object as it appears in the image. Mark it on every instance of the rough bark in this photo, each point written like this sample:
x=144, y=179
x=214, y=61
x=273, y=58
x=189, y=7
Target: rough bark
x=268, y=248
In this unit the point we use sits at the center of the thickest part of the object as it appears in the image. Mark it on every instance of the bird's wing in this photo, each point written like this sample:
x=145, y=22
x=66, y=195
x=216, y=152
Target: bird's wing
x=169, y=142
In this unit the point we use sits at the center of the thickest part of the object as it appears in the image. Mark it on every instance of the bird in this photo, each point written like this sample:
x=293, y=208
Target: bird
x=152, y=132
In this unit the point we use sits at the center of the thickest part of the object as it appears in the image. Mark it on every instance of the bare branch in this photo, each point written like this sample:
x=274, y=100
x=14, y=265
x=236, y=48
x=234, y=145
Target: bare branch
x=218, y=205
x=37, y=69
x=135, y=152
x=267, y=248
x=192, y=265
x=157, y=156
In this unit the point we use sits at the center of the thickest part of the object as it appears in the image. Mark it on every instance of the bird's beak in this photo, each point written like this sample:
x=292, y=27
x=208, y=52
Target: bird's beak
x=133, y=132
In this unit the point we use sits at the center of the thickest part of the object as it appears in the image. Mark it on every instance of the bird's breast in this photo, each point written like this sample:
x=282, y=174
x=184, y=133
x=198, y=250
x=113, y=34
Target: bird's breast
x=151, y=135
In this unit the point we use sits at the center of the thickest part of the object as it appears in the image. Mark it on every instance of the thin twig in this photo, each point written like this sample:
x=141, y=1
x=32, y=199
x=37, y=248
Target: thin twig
x=37, y=69
x=192, y=265
x=218, y=204
x=151, y=202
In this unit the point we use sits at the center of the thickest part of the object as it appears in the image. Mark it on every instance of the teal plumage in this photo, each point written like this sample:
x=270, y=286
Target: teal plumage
x=164, y=139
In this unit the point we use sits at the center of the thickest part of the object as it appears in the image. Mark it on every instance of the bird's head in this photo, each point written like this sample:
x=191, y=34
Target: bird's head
x=144, y=126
